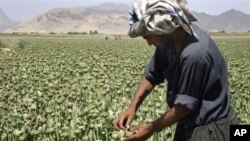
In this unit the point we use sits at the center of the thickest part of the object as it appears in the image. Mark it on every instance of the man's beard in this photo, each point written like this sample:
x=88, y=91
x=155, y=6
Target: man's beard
x=167, y=41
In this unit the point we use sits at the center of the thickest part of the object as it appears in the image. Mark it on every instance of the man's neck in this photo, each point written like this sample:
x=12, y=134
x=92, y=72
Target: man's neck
x=179, y=39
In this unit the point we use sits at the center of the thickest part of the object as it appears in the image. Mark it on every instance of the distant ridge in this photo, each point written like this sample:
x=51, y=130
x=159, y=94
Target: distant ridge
x=230, y=21
x=111, y=18
x=5, y=22
x=108, y=18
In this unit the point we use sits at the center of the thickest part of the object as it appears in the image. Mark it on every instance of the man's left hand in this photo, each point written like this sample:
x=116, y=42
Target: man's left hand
x=142, y=132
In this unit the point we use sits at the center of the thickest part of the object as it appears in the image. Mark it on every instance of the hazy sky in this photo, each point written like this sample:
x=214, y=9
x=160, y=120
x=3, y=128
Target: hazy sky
x=23, y=10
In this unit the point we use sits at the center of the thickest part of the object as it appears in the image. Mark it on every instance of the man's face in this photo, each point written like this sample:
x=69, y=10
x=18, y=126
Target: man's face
x=159, y=40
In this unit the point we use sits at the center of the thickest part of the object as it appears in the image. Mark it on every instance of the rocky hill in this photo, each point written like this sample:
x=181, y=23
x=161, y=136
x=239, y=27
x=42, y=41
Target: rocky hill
x=108, y=18
x=231, y=21
x=5, y=22
x=111, y=18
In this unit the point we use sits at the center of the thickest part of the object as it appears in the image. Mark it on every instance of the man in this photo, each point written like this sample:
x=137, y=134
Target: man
x=197, y=89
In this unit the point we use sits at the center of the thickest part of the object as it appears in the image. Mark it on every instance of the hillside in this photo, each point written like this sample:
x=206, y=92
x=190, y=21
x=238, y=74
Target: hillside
x=111, y=18
x=5, y=22
x=231, y=21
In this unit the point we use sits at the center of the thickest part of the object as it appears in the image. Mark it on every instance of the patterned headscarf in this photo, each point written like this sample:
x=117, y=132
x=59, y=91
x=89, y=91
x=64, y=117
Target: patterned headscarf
x=159, y=17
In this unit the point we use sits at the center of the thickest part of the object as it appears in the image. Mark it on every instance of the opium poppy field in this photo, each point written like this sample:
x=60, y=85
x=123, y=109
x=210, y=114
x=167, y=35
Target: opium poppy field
x=72, y=87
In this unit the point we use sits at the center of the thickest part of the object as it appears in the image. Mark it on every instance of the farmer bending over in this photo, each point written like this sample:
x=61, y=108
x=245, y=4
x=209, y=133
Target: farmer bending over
x=195, y=70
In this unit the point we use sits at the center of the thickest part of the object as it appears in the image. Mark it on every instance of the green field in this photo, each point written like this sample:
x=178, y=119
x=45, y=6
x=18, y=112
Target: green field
x=72, y=87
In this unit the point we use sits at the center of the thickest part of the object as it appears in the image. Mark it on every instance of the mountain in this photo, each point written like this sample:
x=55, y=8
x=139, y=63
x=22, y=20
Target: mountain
x=111, y=18
x=231, y=21
x=108, y=18
x=108, y=7
x=5, y=22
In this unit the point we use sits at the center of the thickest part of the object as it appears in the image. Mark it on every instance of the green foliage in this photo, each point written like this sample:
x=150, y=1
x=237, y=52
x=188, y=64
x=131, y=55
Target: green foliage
x=93, y=32
x=71, y=88
x=21, y=44
x=236, y=51
x=77, y=33
x=1, y=44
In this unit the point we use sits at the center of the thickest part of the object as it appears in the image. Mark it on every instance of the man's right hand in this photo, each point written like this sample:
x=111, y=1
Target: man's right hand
x=124, y=119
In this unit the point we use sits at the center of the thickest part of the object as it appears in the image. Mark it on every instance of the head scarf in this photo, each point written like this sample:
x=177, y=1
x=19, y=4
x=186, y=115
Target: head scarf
x=159, y=17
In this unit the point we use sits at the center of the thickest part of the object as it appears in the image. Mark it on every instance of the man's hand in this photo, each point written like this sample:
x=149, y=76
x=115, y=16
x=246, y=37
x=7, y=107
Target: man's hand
x=124, y=120
x=142, y=132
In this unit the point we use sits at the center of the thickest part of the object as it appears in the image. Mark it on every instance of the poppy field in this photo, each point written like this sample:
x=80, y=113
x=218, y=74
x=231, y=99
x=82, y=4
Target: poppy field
x=56, y=88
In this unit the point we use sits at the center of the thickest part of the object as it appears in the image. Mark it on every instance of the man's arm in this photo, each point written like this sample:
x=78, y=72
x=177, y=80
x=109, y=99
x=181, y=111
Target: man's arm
x=144, y=131
x=175, y=114
x=144, y=88
x=125, y=118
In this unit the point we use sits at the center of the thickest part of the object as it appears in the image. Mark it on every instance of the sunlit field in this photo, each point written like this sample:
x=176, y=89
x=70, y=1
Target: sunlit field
x=72, y=87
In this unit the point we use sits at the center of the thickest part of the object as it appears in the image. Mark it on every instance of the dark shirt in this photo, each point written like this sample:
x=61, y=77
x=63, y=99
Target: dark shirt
x=196, y=79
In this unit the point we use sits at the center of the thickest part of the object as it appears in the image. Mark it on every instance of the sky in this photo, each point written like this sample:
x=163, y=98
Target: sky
x=24, y=10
